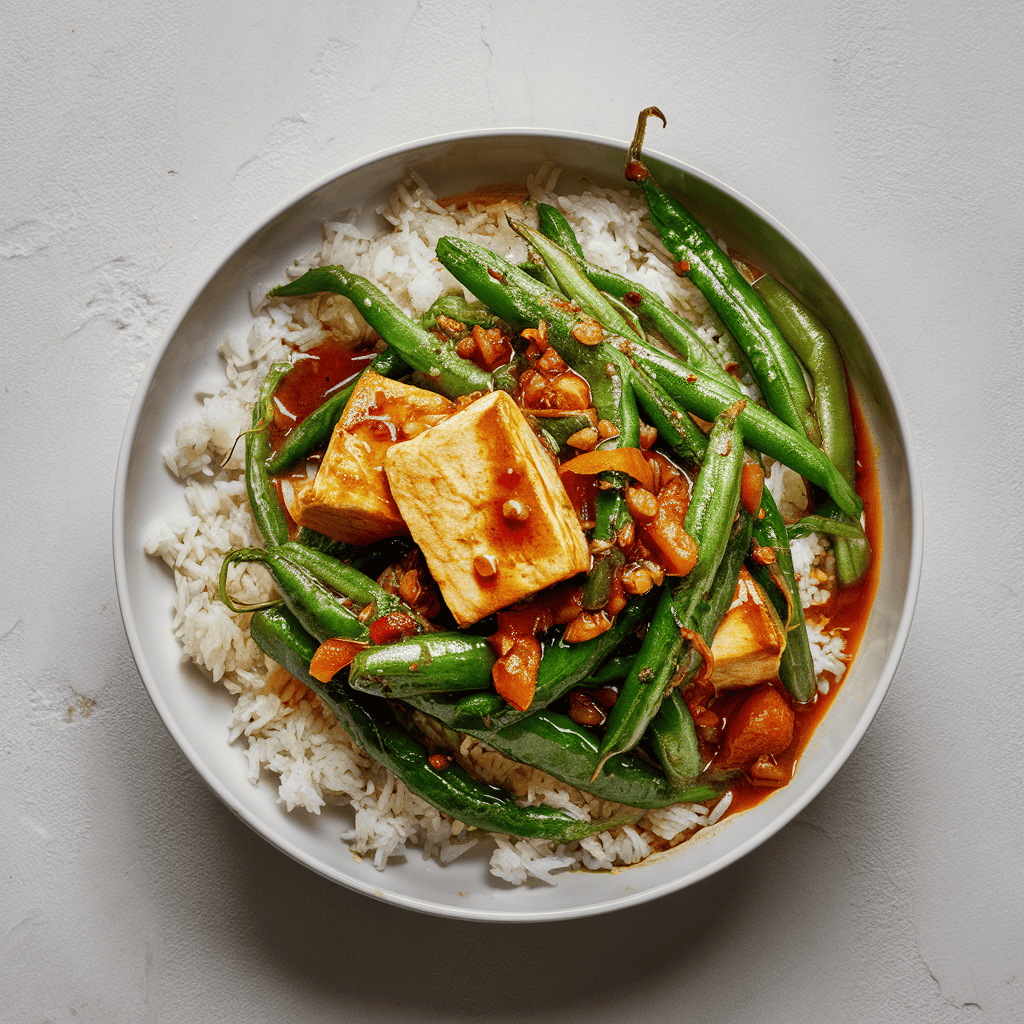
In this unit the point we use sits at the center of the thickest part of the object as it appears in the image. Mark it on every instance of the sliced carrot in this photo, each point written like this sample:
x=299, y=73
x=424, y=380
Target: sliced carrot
x=391, y=627
x=762, y=726
x=332, y=656
x=666, y=534
x=620, y=460
x=515, y=673
x=751, y=485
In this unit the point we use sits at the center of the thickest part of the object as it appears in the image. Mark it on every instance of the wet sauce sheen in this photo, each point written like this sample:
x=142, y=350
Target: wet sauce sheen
x=847, y=609
x=314, y=377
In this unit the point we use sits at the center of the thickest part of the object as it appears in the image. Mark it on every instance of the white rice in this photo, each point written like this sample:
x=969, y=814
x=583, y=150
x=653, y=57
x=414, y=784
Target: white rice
x=281, y=726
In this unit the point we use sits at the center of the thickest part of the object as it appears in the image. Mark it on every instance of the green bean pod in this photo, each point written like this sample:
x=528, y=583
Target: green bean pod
x=651, y=311
x=558, y=429
x=455, y=307
x=611, y=512
x=672, y=732
x=676, y=430
x=682, y=611
x=264, y=502
x=344, y=578
x=611, y=671
x=796, y=667
x=314, y=432
x=776, y=368
x=706, y=397
x=552, y=224
x=562, y=667
x=814, y=344
x=313, y=603
x=374, y=728
x=839, y=527
x=434, y=357
x=521, y=301
x=430, y=663
x=552, y=742
x=321, y=542
x=573, y=282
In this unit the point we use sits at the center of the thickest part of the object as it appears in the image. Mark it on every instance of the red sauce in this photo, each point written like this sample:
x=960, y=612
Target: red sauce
x=488, y=195
x=314, y=377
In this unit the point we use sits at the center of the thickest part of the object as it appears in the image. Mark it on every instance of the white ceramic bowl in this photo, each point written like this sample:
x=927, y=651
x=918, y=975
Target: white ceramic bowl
x=196, y=712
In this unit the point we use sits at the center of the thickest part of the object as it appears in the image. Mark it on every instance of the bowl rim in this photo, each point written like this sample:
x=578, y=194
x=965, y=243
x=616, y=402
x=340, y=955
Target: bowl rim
x=636, y=897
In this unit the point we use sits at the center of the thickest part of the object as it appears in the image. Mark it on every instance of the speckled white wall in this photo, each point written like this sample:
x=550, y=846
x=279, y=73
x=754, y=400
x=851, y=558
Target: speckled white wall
x=141, y=139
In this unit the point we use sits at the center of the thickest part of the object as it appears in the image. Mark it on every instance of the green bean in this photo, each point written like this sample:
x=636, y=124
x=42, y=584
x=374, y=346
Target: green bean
x=562, y=666
x=776, y=368
x=706, y=397
x=611, y=671
x=431, y=663
x=266, y=507
x=839, y=528
x=605, y=369
x=523, y=302
x=573, y=282
x=552, y=224
x=611, y=514
x=552, y=742
x=321, y=542
x=434, y=357
x=374, y=728
x=313, y=603
x=796, y=667
x=676, y=430
x=455, y=307
x=678, y=332
x=558, y=428
x=675, y=627
x=342, y=577
x=813, y=343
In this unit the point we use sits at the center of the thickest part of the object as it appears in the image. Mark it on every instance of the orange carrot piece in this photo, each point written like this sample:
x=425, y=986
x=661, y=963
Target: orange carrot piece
x=621, y=460
x=751, y=485
x=761, y=726
x=332, y=656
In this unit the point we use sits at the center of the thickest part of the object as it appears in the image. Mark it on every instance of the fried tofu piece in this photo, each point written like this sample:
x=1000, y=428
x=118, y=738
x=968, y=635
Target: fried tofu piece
x=485, y=504
x=349, y=498
x=750, y=638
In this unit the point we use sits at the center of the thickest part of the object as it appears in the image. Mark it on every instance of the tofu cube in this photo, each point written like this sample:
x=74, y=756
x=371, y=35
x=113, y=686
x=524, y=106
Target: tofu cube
x=750, y=638
x=485, y=504
x=349, y=498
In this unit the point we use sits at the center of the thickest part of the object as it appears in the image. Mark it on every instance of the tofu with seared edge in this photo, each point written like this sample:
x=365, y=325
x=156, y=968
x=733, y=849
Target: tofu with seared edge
x=349, y=498
x=750, y=638
x=485, y=504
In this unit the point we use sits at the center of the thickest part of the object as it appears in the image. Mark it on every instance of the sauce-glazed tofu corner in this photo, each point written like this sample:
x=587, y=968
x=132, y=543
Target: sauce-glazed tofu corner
x=485, y=504
x=349, y=498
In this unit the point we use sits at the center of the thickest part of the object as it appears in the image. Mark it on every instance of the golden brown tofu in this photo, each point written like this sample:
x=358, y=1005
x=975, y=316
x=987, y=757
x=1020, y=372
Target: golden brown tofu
x=485, y=504
x=349, y=499
x=750, y=639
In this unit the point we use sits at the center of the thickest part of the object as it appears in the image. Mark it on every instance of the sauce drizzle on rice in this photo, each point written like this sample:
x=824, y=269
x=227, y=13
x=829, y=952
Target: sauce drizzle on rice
x=280, y=723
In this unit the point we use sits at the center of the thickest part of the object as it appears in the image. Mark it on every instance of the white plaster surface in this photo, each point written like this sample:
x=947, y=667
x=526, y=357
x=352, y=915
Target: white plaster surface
x=139, y=140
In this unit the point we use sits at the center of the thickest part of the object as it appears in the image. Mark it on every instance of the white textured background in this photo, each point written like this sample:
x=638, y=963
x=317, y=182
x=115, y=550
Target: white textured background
x=138, y=140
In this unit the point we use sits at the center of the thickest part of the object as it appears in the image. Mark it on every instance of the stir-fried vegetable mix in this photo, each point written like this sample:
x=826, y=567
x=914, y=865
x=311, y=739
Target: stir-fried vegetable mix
x=539, y=519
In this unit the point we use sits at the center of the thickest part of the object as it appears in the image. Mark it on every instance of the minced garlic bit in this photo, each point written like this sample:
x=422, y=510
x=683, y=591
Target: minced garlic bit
x=516, y=510
x=485, y=565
